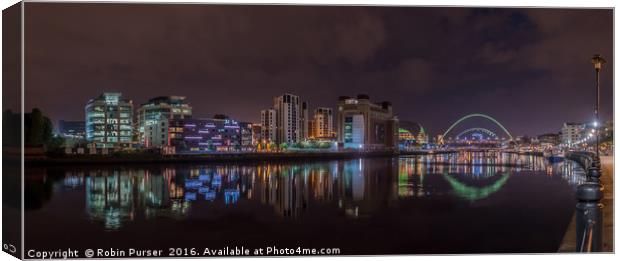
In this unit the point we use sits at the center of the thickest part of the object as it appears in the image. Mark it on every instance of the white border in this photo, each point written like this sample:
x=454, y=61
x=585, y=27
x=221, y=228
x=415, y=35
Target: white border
x=467, y=3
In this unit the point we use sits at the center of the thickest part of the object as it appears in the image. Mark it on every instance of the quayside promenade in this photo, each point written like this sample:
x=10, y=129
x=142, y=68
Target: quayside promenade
x=569, y=242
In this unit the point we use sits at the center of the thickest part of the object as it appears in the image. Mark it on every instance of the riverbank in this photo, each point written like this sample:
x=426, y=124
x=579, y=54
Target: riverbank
x=219, y=157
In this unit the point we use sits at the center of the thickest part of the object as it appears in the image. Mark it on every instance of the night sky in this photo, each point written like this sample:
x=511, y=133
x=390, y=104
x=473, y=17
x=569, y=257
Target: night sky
x=528, y=68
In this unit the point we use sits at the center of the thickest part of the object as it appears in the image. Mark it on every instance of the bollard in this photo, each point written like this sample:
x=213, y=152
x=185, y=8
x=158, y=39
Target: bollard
x=594, y=172
x=589, y=214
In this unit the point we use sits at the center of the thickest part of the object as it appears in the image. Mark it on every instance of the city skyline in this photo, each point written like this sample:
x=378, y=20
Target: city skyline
x=433, y=65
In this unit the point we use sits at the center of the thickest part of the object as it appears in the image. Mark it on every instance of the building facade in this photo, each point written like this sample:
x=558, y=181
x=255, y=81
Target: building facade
x=268, y=126
x=76, y=129
x=422, y=137
x=323, y=123
x=154, y=115
x=109, y=121
x=289, y=119
x=303, y=123
x=572, y=133
x=247, y=137
x=366, y=125
x=549, y=139
x=257, y=136
x=209, y=135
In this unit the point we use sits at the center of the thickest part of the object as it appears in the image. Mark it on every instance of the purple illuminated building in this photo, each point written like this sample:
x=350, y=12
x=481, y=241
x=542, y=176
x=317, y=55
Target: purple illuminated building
x=219, y=134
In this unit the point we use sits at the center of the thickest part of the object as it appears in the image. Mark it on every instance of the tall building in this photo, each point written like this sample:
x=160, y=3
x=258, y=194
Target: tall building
x=304, y=127
x=324, y=123
x=268, y=126
x=290, y=119
x=571, y=133
x=247, y=134
x=257, y=136
x=366, y=125
x=109, y=121
x=153, y=117
x=312, y=128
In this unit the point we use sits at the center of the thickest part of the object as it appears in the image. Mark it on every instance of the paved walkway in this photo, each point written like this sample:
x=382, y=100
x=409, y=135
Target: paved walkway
x=569, y=242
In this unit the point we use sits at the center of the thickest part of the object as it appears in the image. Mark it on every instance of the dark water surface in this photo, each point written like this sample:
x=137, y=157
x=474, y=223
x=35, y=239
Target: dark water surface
x=465, y=203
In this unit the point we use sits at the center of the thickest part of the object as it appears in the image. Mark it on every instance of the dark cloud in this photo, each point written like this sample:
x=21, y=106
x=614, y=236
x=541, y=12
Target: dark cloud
x=529, y=68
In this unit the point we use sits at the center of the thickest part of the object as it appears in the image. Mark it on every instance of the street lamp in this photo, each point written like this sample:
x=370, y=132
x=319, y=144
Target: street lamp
x=589, y=215
x=598, y=62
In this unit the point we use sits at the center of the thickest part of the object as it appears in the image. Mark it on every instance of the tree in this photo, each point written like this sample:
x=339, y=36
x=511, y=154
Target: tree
x=38, y=131
x=34, y=128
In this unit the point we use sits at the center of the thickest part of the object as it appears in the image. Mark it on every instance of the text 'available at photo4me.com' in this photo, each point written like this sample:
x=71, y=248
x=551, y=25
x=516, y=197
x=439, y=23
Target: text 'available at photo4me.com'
x=179, y=252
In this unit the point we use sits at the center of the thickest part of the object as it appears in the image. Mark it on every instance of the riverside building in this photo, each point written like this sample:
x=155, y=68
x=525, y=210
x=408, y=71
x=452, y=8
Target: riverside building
x=290, y=119
x=209, y=135
x=572, y=133
x=365, y=125
x=153, y=119
x=323, y=123
x=268, y=126
x=108, y=121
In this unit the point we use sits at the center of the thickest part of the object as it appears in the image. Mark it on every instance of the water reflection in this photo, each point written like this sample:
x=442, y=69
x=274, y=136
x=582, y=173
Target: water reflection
x=356, y=188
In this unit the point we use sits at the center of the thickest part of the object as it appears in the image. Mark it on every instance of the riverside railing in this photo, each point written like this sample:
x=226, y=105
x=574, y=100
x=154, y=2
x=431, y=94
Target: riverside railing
x=589, y=209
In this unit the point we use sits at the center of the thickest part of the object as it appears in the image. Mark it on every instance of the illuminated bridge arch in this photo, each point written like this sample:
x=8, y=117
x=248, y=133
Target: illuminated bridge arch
x=482, y=130
x=480, y=115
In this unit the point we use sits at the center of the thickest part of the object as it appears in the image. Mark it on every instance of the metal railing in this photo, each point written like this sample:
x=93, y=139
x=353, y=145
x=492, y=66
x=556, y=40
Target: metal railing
x=589, y=210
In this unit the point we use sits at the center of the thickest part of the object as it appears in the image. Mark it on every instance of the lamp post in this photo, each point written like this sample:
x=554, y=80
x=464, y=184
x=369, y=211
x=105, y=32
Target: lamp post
x=598, y=62
x=589, y=214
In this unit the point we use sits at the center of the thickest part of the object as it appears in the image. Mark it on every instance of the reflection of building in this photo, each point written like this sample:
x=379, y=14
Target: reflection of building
x=365, y=186
x=571, y=133
x=366, y=125
x=204, y=135
x=356, y=187
x=282, y=187
x=323, y=123
x=109, y=197
x=153, y=118
x=109, y=121
x=117, y=196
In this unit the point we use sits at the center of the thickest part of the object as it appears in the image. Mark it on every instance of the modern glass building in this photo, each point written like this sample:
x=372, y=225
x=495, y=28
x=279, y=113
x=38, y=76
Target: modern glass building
x=109, y=121
x=153, y=116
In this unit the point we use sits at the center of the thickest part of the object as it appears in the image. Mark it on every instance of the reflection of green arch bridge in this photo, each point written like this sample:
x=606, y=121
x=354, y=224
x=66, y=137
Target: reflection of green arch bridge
x=478, y=115
x=474, y=193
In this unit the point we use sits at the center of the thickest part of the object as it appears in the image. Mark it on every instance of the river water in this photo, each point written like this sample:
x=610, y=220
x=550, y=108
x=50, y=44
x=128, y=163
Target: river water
x=457, y=203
